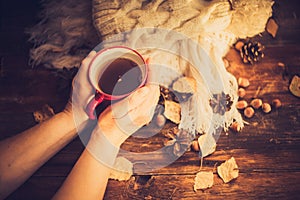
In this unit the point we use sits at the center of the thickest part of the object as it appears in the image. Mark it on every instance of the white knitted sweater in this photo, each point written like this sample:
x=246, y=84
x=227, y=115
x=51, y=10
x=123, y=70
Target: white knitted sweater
x=214, y=25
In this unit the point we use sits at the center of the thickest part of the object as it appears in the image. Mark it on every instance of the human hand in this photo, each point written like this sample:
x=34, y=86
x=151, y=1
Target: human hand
x=125, y=117
x=82, y=91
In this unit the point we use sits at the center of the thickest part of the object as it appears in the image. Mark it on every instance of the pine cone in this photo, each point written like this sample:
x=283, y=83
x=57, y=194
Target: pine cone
x=251, y=52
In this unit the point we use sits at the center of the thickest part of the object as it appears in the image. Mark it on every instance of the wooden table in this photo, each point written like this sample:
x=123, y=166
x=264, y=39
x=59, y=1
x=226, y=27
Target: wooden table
x=266, y=151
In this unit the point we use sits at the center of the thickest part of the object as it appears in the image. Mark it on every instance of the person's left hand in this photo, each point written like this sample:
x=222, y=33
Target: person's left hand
x=82, y=91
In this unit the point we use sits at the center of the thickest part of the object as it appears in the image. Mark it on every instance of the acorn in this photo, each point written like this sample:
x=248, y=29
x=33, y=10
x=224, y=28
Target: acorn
x=241, y=104
x=249, y=112
x=243, y=82
x=235, y=127
x=276, y=103
x=256, y=103
x=241, y=92
x=160, y=120
x=280, y=64
x=266, y=107
x=195, y=146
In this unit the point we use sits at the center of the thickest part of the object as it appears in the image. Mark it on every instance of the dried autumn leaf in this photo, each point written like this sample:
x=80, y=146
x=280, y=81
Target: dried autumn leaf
x=204, y=180
x=207, y=144
x=272, y=27
x=228, y=170
x=122, y=169
x=172, y=111
x=295, y=86
x=185, y=85
x=42, y=115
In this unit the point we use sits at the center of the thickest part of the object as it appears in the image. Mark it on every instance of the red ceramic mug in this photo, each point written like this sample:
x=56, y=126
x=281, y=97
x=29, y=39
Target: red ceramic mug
x=115, y=73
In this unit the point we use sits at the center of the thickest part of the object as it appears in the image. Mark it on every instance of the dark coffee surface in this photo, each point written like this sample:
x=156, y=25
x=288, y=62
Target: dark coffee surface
x=120, y=77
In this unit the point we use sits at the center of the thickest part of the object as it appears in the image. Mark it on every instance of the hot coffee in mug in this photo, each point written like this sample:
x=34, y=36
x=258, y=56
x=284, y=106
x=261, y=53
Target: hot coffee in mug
x=121, y=76
x=115, y=73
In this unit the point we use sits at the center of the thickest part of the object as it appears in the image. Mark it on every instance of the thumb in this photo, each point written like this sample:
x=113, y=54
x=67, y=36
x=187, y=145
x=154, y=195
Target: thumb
x=141, y=106
x=138, y=97
x=121, y=108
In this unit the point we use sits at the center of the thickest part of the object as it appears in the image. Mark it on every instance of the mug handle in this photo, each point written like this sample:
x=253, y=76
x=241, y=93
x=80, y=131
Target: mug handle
x=93, y=104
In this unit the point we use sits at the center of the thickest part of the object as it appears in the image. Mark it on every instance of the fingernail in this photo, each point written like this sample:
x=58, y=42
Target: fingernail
x=92, y=53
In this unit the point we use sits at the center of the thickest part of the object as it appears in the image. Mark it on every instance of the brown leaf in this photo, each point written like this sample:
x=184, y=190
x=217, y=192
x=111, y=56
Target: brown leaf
x=295, y=86
x=207, y=144
x=204, y=180
x=172, y=111
x=228, y=170
x=272, y=27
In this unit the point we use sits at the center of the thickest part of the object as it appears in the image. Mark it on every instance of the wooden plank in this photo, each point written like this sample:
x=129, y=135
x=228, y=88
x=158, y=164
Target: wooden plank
x=249, y=186
x=281, y=185
x=253, y=148
x=247, y=139
x=267, y=76
x=27, y=90
x=39, y=188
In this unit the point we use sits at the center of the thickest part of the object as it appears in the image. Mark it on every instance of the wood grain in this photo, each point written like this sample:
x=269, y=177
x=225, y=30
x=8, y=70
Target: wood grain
x=254, y=185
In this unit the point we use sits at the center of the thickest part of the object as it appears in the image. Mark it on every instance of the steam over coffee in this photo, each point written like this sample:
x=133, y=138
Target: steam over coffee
x=120, y=77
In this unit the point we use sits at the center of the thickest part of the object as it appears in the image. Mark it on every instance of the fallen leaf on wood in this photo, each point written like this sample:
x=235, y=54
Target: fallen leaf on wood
x=295, y=86
x=42, y=115
x=207, y=144
x=203, y=180
x=122, y=169
x=185, y=85
x=272, y=27
x=172, y=111
x=228, y=170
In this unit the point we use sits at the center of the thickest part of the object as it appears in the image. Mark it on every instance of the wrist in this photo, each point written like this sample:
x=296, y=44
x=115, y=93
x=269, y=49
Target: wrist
x=111, y=133
x=67, y=119
x=103, y=149
x=78, y=117
x=68, y=113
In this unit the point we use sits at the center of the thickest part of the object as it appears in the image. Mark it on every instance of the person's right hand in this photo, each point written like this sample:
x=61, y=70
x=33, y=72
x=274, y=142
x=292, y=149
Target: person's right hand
x=120, y=120
x=125, y=117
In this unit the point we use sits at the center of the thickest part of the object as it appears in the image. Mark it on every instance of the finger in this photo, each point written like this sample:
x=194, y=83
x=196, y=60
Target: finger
x=150, y=70
x=131, y=118
x=143, y=110
x=82, y=73
x=123, y=107
x=80, y=81
x=85, y=62
x=139, y=96
x=154, y=71
x=147, y=107
x=92, y=53
x=148, y=94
